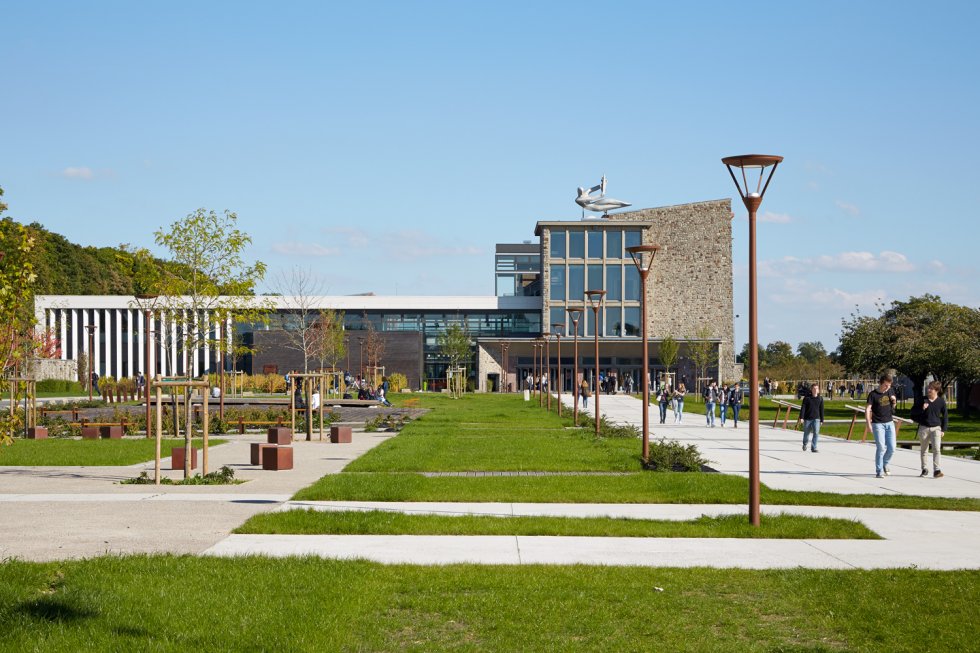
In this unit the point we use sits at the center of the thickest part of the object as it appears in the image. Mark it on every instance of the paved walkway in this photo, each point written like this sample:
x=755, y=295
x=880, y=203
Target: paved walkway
x=840, y=466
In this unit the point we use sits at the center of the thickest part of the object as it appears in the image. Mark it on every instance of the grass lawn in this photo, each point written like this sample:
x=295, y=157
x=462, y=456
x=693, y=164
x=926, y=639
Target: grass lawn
x=58, y=452
x=505, y=433
x=166, y=603
x=379, y=522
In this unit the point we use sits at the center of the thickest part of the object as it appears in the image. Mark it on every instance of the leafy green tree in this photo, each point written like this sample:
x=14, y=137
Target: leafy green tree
x=811, y=352
x=669, y=348
x=920, y=337
x=779, y=353
x=743, y=356
x=331, y=343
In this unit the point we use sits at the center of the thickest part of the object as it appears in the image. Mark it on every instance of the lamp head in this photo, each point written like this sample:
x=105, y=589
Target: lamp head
x=557, y=328
x=749, y=164
x=595, y=298
x=575, y=312
x=643, y=256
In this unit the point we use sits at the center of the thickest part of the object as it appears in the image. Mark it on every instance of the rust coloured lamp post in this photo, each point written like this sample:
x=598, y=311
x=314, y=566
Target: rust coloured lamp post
x=547, y=368
x=540, y=371
x=575, y=314
x=595, y=298
x=557, y=327
x=147, y=372
x=753, y=200
x=643, y=256
x=504, y=346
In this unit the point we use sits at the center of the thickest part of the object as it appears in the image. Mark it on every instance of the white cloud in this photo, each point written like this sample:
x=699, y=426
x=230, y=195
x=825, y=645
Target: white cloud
x=838, y=298
x=304, y=249
x=778, y=218
x=80, y=172
x=352, y=236
x=937, y=266
x=849, y=208
x=409, y=245
x=885, y=261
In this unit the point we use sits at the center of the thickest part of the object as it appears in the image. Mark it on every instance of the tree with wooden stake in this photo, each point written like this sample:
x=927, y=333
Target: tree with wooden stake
x=454, y=344
x=186, y=386
x=669, y=348
x=702, y=353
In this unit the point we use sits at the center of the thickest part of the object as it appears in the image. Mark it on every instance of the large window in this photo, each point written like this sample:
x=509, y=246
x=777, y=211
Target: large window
x=557, y=243
x=614, y=243
x=595, y=244
x=557, y=316
x=614, y=318
x=631, y=321
x=576, y=244
x=594, y=281
x=576, y=282
x=633, y=238
x=557, y=283
x=632, y=288
x=614, y=283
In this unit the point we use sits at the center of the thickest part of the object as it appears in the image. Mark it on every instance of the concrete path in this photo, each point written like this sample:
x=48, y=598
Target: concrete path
x=928, y=539
x=53, y=513
x=841, y=466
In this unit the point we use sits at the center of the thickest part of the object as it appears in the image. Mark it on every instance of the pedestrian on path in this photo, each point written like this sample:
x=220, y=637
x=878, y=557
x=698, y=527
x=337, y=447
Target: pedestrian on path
x=678, y=397
x=723, y=404
x=933, y=419
x=811, y=412
x=710, y=398
x=735, y=401
x=663, y=398
x=586, y=392
x=879, y=415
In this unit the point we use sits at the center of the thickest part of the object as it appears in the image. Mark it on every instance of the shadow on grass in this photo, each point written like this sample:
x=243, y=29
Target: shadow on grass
x=54, y=611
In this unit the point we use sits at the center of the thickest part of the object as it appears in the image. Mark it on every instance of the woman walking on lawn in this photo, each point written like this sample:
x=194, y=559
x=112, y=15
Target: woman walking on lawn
x=933, y=419
x=811, y=412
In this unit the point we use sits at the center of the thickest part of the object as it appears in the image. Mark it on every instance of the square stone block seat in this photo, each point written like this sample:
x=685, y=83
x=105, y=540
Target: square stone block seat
x=277, y=458
x=37, y=433
x=280, y=435
x=258, y=449
x=340, y=434
x=113, y=432
x=90, y=432
x=177, y=458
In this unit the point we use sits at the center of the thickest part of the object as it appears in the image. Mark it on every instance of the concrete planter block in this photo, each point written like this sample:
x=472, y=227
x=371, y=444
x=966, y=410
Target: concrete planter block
x=277, y=458
x=37, y=433
x=258, y=449
x=113, y=432
x=177, y=458
x=90, y=432
x=280, y=435
x=340, y=434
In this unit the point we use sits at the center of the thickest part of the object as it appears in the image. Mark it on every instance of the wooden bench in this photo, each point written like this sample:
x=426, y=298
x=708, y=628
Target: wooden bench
x=858, y=411
x=780, y=404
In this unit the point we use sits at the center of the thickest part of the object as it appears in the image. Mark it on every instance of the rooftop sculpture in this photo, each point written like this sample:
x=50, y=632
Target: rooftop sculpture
x=598, y=203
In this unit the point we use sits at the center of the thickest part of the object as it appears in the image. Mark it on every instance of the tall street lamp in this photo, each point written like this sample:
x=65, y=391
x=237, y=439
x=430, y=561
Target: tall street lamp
x=504, y=346
x=595, y=298
x=575, y=314
x=547, y=365
x=360, y=360
x=540, y=341
x=753, y=200
x=534, y=368
x=643, y=256
x=147, y=373
x=91, y=354
x=558, y=327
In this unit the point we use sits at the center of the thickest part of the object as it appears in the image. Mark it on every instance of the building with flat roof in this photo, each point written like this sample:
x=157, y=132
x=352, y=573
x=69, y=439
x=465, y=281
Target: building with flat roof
x=689, y=298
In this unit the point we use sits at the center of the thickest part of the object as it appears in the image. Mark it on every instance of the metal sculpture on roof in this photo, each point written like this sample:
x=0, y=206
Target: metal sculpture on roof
x=598, y=203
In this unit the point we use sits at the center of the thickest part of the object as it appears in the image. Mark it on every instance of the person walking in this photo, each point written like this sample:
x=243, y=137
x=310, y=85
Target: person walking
x=678, y=396
x=811, y=412
x=723, y=404
x=585, y=392
x=735, y=401
x=663, y=398
x=932, y=417
x=710, y=398
x=879, y=415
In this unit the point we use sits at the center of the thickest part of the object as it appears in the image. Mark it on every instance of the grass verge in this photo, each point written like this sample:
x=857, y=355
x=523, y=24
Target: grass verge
x=58, y=452
x=380, y=522
x=132, y=603
x=648, y=487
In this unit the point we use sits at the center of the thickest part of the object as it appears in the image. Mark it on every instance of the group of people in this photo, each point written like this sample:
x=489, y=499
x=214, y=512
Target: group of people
x=931, y=415
x=354, y=388
x=724, y=398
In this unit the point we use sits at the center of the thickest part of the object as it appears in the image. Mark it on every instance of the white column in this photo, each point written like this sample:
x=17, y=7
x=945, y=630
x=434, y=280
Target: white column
x=74, y=333
x=141, y=334
x=64, y=334
x=161, y=347
x=173, y=330
x=97, y=361
x=206, y=323
x=117, y=364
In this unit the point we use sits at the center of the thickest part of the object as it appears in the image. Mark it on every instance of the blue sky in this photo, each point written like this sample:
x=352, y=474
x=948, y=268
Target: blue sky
x=388, y=146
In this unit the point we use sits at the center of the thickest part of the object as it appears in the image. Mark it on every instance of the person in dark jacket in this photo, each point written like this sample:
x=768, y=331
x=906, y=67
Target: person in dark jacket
x=933, y=419
x=812, y=415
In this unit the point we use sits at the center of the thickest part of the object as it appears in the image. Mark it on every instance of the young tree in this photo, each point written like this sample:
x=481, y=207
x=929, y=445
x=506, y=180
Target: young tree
x=300, y=289
x=330, y=338
x=669, y=348
x=703, y=352
x=374, y=347
x=454, y=344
